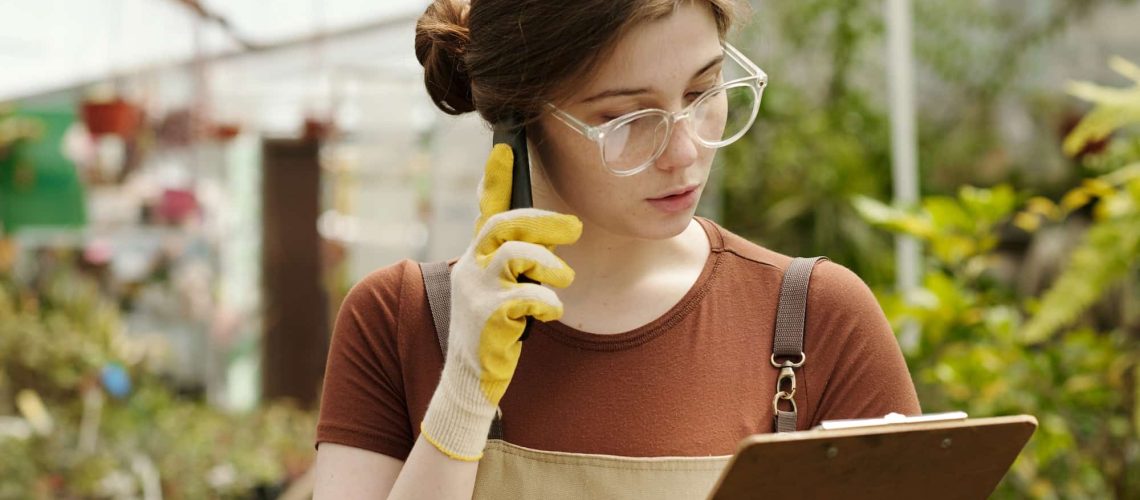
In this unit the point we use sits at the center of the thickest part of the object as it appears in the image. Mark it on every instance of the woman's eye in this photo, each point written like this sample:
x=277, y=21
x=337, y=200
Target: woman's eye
x=608, y=117
x=692, y=96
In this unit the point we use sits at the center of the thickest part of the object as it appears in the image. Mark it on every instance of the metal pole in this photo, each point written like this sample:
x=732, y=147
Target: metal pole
x=904, y=149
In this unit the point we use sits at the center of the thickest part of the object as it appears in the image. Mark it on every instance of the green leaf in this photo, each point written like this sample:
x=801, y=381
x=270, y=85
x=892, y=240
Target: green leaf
x=1103, y=258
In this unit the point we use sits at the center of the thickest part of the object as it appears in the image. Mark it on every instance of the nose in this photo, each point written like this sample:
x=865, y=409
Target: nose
x=681, y=151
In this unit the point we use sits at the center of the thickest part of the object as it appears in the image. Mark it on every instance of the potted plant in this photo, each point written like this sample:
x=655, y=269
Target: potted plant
x=224, y=131
x=114, y=116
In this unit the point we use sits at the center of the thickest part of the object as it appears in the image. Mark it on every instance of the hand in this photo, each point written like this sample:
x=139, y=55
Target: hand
x=489, y=307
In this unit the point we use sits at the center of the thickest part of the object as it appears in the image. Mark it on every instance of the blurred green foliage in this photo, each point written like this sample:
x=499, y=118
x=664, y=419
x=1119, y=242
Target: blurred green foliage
x=809, y=180
x=57, y=335
x=987, y=348
x=823, y=134
x=820, y=137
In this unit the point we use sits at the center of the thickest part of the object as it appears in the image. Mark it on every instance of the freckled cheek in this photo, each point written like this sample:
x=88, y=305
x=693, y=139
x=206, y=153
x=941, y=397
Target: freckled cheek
x=570, y=166
x=588, y=188
x=586, y=184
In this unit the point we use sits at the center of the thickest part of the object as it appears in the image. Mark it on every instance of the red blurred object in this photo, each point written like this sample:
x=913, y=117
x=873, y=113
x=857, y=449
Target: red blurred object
x=225, y=131
x=316, y=129
x=114, y=117
x=176, y=205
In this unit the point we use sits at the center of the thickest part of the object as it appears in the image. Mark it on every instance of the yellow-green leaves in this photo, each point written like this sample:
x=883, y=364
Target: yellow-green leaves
x=1115, y=107
x=955, y=229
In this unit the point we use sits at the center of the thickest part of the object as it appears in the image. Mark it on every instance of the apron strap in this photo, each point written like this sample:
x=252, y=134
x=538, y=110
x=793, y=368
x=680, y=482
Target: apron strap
x=437, y=282
x=788, y=341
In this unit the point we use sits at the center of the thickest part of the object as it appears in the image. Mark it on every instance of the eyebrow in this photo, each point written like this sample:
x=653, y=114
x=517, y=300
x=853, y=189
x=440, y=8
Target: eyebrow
x=623, y=92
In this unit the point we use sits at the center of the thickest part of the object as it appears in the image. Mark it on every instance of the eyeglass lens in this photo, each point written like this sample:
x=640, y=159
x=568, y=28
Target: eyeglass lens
x=717, y=117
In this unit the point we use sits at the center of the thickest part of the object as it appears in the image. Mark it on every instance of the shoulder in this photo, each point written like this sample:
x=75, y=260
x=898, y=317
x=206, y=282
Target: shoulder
x=846, y=327
x=375, y=304
x=838, y=289
x=367, y=392
x=384, y=284
x=742, y=251
x=833, y=289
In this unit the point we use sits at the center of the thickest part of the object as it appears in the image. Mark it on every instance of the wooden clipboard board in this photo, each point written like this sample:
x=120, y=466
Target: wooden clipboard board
x=963, y=459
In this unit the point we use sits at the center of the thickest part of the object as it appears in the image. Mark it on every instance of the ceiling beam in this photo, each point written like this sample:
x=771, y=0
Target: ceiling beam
x=251, y=51
x=207, y=15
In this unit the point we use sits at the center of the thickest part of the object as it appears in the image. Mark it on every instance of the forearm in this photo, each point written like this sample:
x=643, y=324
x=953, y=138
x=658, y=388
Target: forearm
x=429, y=474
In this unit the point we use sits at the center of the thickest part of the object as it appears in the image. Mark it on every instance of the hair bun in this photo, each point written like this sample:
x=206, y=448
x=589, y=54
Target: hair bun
x=441, y=44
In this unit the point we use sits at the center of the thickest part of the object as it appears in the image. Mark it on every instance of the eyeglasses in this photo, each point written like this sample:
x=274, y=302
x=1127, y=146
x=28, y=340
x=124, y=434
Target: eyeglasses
x=718, y=117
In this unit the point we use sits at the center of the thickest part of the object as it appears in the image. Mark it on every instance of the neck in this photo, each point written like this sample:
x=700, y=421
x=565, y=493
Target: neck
x=623, y=283
x=603, y=260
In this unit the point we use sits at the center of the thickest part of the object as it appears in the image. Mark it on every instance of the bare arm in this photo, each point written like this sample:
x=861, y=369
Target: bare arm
x=347, y=472
x=431, y=474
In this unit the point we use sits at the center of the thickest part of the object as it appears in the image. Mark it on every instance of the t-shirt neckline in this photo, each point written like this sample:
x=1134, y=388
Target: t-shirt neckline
x=574, y=337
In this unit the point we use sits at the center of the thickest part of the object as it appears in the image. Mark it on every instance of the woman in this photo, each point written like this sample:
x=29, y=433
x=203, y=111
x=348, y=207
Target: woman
x=656, y=327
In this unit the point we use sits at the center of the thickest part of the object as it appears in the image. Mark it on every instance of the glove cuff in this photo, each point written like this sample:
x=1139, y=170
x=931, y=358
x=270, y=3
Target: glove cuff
x=459, y=415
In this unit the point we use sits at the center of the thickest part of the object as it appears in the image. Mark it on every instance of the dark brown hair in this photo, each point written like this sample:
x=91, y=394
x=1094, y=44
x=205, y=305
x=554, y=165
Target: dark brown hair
x=502, y=57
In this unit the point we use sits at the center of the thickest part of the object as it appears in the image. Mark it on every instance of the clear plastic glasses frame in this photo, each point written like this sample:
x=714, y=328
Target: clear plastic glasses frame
x=755, y=80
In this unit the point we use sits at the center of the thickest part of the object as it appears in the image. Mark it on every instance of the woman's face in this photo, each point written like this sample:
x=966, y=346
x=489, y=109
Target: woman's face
x=661, y=64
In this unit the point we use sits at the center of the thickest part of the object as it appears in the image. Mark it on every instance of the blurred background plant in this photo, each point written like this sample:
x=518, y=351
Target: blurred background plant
x=989, y=112
x=16, y=129
x=992, y=345
x=85, y=416
x=1031, y=297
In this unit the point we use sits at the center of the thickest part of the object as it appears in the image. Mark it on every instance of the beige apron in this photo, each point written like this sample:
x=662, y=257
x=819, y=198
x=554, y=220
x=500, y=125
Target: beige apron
x=509, y=471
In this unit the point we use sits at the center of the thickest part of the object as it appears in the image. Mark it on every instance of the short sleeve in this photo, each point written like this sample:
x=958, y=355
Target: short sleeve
x=363, y=403
x=854, y=363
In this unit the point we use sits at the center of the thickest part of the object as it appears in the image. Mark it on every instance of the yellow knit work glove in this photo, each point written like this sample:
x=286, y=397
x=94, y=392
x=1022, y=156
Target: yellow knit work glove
x=489, y=308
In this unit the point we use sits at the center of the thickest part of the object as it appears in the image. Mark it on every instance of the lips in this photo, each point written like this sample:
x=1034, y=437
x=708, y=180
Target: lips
x=676, y=201
x=676, y=192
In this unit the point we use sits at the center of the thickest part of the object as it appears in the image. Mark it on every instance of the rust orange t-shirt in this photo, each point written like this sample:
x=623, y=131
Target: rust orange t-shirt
x=693, y=382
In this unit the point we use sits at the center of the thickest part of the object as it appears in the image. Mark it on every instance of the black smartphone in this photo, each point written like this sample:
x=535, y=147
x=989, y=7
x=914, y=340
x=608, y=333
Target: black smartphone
x=512, y=133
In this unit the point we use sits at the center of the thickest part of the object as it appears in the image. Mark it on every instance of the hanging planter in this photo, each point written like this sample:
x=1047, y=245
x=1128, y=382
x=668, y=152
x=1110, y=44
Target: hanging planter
x=225, y=131
x=113, y=117
x=317, y=129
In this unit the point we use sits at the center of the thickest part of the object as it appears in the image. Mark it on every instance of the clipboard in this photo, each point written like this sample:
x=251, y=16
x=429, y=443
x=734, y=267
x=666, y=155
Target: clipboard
x=963, y=459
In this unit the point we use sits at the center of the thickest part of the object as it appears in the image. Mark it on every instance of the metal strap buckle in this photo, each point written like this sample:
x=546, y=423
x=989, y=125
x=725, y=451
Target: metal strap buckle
x=787, y=374
x=785, y=396
x=797, y=364
x=786, y=381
